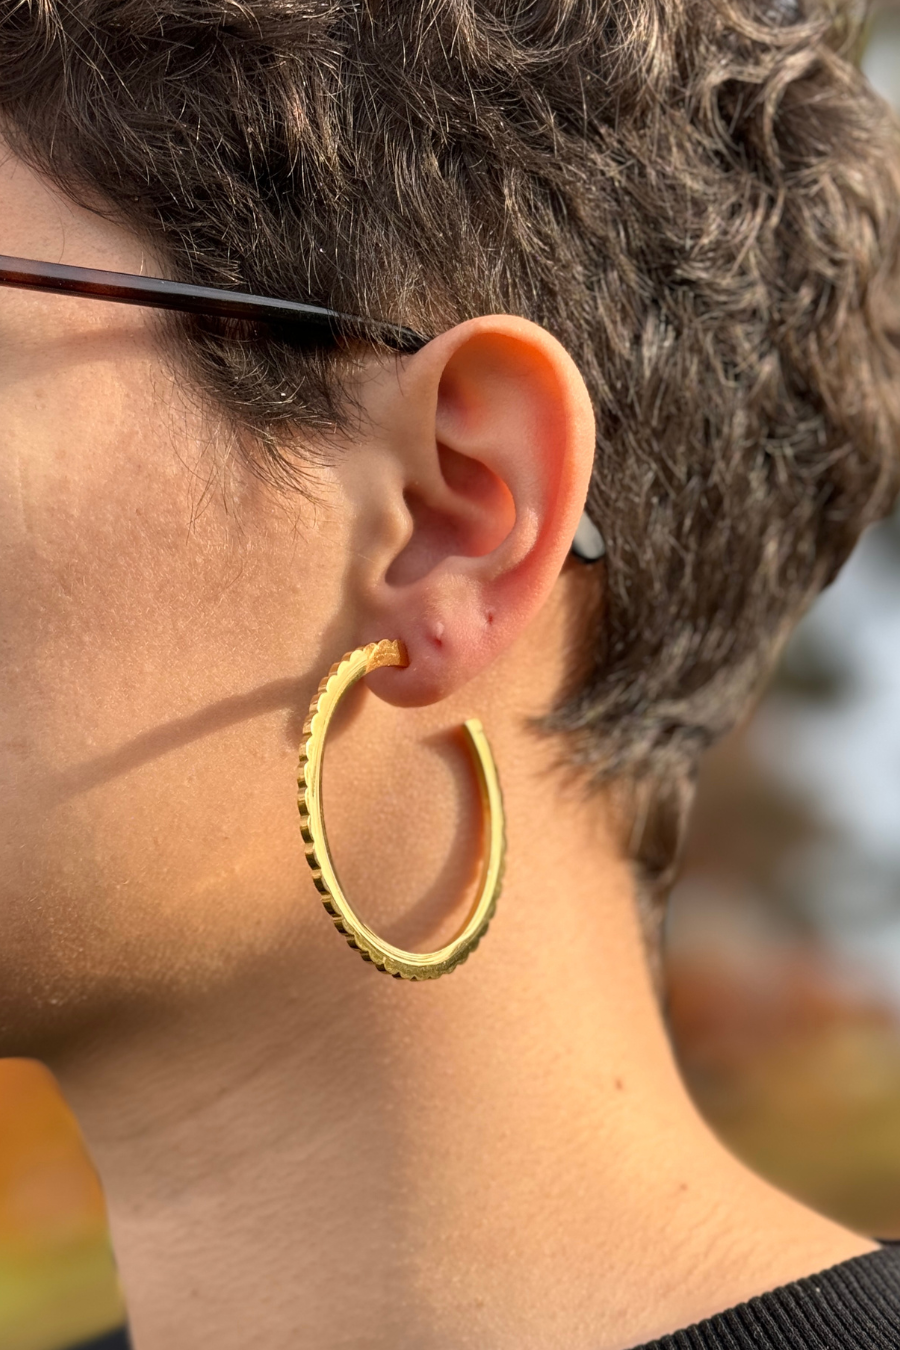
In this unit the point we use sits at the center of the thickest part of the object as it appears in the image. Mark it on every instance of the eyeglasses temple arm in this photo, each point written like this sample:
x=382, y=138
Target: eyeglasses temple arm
x=128, y=289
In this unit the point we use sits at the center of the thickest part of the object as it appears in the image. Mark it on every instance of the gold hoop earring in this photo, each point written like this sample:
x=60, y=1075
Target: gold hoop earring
x=393, y=960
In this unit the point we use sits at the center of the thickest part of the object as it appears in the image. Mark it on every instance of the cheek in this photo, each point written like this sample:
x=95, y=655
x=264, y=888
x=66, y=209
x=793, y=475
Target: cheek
x=101, y=548
x=152, y=676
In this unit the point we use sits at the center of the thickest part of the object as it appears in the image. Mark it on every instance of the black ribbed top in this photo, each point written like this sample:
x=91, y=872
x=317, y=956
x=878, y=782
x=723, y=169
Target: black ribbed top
x=112, y=1340
x=853, y=1306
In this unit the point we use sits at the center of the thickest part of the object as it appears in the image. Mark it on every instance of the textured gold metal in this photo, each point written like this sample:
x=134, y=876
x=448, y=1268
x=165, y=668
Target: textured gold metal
x=393, y=960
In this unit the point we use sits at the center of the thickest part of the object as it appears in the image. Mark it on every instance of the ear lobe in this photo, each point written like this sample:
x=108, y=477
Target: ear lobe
x=494, y=430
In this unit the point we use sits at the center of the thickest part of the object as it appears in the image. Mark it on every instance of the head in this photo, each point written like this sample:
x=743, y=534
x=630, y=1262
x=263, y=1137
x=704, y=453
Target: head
x=656, y=249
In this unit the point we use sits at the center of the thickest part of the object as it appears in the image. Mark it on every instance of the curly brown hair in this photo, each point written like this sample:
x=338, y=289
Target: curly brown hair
x=699, y=198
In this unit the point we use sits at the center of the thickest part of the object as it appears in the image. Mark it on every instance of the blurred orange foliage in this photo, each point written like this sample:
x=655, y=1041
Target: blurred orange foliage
x=57, y=1276
x=799, y=1074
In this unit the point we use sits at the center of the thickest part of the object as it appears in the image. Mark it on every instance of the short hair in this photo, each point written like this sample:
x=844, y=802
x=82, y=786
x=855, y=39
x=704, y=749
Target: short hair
x=699, y=198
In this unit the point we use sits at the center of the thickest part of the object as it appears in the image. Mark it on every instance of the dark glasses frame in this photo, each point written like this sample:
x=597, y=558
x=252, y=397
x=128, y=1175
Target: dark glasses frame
x=125, y=288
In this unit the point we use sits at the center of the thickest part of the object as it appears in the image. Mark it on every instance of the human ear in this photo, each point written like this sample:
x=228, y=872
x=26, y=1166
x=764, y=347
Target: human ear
x=487, y=439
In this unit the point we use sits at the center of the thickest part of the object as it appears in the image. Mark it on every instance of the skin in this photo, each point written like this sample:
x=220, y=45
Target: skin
x=297, y=1150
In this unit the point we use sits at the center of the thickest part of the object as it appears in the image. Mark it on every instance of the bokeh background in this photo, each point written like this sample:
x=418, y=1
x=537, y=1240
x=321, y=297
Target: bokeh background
x=782, y=940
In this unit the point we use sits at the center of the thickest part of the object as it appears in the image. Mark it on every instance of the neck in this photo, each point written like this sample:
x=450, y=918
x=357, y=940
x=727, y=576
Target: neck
x=504, y=1157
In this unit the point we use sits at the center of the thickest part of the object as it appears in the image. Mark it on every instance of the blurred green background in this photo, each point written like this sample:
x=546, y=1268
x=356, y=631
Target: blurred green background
x=782, y=965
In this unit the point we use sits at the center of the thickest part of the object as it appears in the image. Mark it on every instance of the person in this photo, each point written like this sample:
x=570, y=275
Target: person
x=568, y=270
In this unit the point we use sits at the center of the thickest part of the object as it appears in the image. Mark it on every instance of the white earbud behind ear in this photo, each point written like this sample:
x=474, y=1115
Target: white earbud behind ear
x=588, y=544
